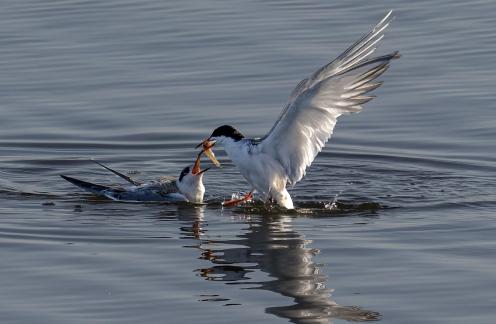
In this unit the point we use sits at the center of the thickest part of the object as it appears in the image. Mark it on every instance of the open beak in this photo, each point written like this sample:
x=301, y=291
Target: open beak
x=207, y=149
x=196, y=167
x=204, y=170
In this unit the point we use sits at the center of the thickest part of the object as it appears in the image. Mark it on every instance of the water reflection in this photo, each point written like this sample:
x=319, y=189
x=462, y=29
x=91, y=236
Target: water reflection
x=271, y=244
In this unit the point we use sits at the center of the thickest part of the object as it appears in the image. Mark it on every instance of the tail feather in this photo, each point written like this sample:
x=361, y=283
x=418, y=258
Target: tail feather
x=90, y=187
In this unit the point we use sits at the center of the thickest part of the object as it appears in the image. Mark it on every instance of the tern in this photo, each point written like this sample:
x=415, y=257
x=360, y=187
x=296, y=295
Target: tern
x=281, y=157
x=187, y=187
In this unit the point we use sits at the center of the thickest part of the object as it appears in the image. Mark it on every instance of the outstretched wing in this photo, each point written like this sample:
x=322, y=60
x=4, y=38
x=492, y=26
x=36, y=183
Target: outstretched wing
x=340, y=87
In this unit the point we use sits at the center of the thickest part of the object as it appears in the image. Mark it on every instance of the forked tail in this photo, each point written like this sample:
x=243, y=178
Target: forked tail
x=91, y=187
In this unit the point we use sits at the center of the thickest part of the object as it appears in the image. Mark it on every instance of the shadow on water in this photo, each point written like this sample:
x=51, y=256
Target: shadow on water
x=272, y=246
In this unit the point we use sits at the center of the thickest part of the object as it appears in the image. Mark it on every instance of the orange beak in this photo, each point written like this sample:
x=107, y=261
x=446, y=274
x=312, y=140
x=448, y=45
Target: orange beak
x=207, y=149
x=196, y=167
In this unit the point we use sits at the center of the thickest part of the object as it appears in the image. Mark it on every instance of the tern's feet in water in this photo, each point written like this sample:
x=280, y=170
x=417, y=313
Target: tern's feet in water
x=237, y=201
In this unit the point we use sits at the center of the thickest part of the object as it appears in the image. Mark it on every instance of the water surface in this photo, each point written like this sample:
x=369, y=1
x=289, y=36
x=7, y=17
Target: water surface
x=138, y=84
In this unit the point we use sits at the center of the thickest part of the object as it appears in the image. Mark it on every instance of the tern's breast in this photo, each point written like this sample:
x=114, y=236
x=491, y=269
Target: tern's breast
x=261, y=171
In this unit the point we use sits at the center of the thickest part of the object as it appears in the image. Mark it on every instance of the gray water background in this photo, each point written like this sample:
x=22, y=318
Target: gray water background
x=137, y=84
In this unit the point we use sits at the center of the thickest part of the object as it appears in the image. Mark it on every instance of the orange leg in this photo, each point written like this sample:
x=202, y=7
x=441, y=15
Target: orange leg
x=234, y=202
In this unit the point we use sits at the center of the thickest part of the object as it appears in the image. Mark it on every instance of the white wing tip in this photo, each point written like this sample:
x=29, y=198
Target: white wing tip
x=390, y=12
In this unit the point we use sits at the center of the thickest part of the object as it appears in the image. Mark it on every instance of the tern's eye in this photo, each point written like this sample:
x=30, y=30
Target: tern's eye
x=183, y=173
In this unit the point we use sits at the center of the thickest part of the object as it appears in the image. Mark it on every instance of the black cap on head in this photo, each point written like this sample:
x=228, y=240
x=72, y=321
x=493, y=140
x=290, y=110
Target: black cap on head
x=184, y=173
x=227, y=131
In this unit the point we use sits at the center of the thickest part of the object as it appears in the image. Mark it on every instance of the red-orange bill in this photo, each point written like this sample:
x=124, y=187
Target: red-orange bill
x=196, y=167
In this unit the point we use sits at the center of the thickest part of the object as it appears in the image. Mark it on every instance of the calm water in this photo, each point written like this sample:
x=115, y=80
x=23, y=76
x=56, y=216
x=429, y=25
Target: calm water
x=137, y=84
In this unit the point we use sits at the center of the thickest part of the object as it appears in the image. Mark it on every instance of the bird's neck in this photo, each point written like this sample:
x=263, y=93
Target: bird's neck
x=193, y=191
x=240, y=152
x=233, y=148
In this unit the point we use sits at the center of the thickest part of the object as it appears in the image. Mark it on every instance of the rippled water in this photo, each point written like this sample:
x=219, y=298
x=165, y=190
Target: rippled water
x=137, y=84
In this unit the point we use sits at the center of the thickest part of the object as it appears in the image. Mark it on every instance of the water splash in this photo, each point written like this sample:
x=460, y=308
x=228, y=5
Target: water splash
x=333, y=204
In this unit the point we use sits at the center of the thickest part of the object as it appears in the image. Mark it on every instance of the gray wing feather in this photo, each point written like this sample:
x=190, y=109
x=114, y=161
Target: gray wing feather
x=92, y=187
x=168, y=185
x=119, y=174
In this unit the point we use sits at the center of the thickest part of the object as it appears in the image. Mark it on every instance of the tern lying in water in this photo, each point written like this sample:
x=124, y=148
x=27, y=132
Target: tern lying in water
x=306, y=124
x=188, y=187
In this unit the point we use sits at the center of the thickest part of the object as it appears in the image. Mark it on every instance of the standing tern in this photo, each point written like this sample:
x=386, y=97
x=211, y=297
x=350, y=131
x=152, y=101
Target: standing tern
x=307, y=122
x=188, y=187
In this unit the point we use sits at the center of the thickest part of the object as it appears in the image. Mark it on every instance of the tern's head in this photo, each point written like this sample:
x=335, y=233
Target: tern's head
x=190, y=182
x=223, y=135
x=224, y=132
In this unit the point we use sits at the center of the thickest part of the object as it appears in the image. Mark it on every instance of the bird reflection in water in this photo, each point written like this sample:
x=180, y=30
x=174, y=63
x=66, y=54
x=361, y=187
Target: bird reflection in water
x=272, y=246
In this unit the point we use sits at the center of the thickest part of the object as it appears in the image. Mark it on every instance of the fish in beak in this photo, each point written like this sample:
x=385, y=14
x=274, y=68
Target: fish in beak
x=207, y=149
x=196, y=167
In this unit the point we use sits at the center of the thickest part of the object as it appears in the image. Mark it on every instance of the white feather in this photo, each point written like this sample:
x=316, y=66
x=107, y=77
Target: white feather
x=308, y=120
